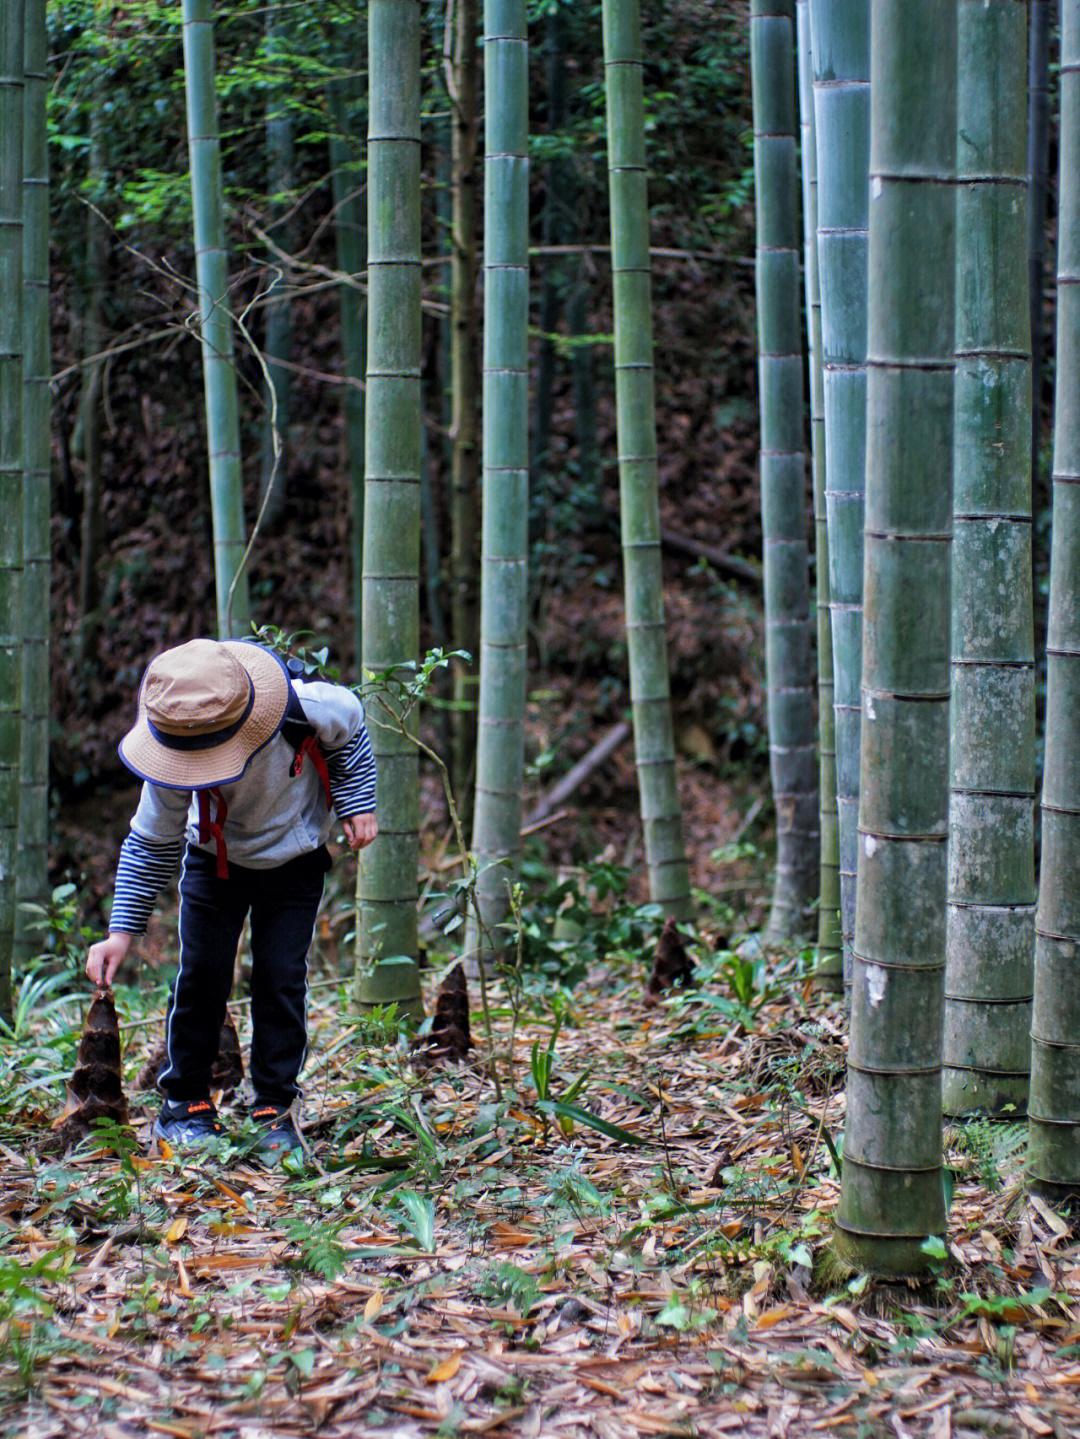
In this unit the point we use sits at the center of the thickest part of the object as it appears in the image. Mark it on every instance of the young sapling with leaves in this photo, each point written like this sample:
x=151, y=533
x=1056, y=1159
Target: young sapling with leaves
x=242, y=766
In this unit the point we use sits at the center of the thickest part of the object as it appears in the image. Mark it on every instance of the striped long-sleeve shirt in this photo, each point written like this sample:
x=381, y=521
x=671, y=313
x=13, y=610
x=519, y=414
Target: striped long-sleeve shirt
x=272, y=814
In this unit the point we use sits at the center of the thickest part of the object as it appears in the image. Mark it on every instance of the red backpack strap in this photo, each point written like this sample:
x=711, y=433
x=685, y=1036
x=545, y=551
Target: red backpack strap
x=214, y=827
x=310, y=747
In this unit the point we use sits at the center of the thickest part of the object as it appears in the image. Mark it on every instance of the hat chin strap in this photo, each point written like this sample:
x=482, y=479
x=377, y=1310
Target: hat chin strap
x=214, y=827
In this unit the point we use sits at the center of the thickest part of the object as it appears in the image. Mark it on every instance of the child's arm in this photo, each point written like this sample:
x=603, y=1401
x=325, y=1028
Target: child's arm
x=148, y=860
x=338, y=718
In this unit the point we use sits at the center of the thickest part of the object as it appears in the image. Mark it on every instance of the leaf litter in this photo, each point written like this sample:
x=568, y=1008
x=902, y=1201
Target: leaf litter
x=636, y=1250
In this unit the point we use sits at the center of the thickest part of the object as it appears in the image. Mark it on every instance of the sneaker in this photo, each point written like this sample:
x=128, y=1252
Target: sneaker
x=187, y=1122
x=278, y=1135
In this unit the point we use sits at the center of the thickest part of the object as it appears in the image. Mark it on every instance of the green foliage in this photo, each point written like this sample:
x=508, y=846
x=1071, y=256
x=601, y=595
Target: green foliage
x=571, y=1189
x=25, y=1339
x=1001, y=1308
x=750, y=982
x=512, y=1286
x=992, y=1147
x=64, y=937
x=119, y=1192
x=416, y=1214
x=37, y=999
x=318, y=1248
x=590, y=908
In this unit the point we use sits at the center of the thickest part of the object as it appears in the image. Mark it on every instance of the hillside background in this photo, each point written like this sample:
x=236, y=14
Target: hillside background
x=155, y=542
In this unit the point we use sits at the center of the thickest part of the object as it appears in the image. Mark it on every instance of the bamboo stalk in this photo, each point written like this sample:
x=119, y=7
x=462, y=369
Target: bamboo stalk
x=991, y=914
x=386, y=889
x=462, y=79
x=892, y=1194
x=12, y=36
x=840, y=31
x=215, y=321
x=500, y=757
x=32, y=885
x=350, y=236
x=650, y=695
x=1053, y=1160
x=829, y=935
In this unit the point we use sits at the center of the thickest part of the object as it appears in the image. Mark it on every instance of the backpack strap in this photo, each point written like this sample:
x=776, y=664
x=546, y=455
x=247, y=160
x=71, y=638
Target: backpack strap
x=300, y=733
x=298, y=729
x=214, y=827
x=310, y=746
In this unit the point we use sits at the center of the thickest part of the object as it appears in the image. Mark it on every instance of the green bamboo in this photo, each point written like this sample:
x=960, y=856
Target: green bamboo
x=558, y=203
x=277, y=307
x=892, y=1193
x=88, y=428
x=650, y=695
x=829, y=964
x=840, y=31
x=215, y=320
x=504, y=541
x=12, y=35
x=1038, y=163
x=991, y=896
x=350, y=236
x=387, y=935
x=32, y=883
x=1041, y=18
x=462, y=81
x=1054, y=1107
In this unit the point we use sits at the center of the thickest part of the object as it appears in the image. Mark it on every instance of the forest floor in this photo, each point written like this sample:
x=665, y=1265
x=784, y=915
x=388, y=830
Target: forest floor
x=487, y=1247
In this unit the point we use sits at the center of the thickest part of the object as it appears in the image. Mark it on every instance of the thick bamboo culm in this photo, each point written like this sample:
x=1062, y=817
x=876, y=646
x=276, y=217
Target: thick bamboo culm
x=789, y=681
x=991, y=914
x=504, y=525
x=32, y=883
x=215, y=320
x=386, y=887
x=350, y=237
x=840, y=42
x=650, y=694
x=1038, y=162
x=892, y=1195
x=829, y=964
x=462, y=72
x=1053, y=1161
x=11, y=471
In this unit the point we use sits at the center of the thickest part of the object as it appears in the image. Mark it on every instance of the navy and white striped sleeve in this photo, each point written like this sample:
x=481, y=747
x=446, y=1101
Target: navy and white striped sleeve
x=144, y=869
x=352, y=775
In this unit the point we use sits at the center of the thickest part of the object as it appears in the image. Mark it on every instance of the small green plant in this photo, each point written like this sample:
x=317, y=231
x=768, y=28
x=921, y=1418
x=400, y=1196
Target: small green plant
x=992, y=1146
x=24, y=1334
x=1008, y=1308
x=542, y=1065
x=685, y=1312
x=589, y=908
x=40, y=996
x=319, y=1248
x=750, y=985
x=64, y=938
x=416, y=1214
x=570, y=1189
x=509, y=1285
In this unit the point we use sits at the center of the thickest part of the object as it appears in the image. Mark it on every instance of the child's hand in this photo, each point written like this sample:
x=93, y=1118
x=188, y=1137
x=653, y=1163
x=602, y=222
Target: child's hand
x=360, y=830
x=105, y=958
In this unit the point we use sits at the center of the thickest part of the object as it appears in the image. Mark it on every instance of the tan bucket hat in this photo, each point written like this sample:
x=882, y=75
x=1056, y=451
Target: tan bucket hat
x=205, y=708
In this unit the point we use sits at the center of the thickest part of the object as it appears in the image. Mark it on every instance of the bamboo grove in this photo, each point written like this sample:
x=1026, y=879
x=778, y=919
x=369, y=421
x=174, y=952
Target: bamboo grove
x=899, y=157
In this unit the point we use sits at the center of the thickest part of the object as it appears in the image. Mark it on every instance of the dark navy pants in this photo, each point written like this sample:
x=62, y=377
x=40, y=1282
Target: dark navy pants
x=283, y=903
